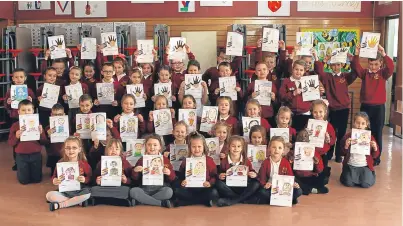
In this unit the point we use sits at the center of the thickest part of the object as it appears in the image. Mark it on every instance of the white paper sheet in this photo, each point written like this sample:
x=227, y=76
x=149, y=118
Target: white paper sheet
x=60, y=128
x=111, y=171
x=145, y=49
x=109, y=44
x=134, y=150
x=196, y=169
x=193, y=85
x=310, y=88
x=303, y=156
x=83, y=125
x=360, y=141
x=17, y=94
x=163, y=122
x=71, y=172
x=189, y=116
x=263, y=89
x=247, y=123
x=153, y=166
x=282, y=132
x=214, y=151
x=137, y=90
x=105, y=93
x=129, y=127
x=234, y=46
x=177, y=50
x=89, y=48
x=57, y=47
x=318, y=129
x=165, y=90
x=50, y=95
x=339, y=55
x=237, y=176
x=369, y=44
x=256, y=154
x=74, y=92
x=178, y=152
x=209, y=118
x=270, y=39
x=31, y=124
x=305, y=41
x=282, y=189
x=227, y=87
x=98, y=126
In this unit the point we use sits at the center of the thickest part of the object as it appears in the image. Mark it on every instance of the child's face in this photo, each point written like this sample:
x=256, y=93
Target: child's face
x=284, y=119
x=256, y=138
x=336, y=67
x=118, y=68
x=222, y=58
x=374, y=65
x=180, y=132
x=236, y=147
x=161, y=104
x=128, y=105
x=85, y=106
x=108, y=72
x=276, y=149
x=223, y=107
x=308, y=62
x=113, y=150
x=193, y=69
x=164, y=76
x=196, y=147
x=74, y=75
x=59, y=66
x=58, y=112
x=89, y=72
x=298, y=71
x=153, y=147
x=19, y=78
x=319, y=112
x=253, y=110
x=177, y=65
x=72, y=149
x=50, y=76
x=271, y=62
x=221, y=133
x=135, y=78
x=224, y=71
x=188, y=103
x=146, y=69
x=360, y=123
x=26, y=109
x=261, y=71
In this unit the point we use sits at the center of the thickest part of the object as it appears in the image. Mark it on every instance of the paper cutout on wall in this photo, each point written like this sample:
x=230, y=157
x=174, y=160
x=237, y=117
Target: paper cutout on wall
x=329, y=6
x=63, y=8
x=33, y=5
x=186, y=6
x=89, y=9
x=273, y=8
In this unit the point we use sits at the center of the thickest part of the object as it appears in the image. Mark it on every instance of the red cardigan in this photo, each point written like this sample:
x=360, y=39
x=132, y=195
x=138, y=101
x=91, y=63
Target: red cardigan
x=127, y=171
x=267, y=111
x=137, y=176
x=264, y=172
x=25, y=147
x=85, y=170
x=52, y=149
x=336, y=87
x=346, y=152
x=295, y=103
x=213, y=73
x=14, y=112
x=211, y=170
x=91, y=84
x=373, y=85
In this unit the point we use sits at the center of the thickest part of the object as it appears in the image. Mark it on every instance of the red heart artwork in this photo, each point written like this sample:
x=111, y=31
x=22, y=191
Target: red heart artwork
x=274, y=5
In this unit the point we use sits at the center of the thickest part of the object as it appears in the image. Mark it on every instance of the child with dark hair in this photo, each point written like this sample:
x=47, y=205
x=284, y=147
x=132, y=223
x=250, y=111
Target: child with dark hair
x=62, y=71
x=178, y=73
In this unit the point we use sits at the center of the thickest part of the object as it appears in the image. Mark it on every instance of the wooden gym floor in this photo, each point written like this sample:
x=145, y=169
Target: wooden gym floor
x=379, y=205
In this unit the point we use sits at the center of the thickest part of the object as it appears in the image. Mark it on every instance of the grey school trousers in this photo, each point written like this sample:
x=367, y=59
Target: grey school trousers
x=357, y=176
x=151, y=195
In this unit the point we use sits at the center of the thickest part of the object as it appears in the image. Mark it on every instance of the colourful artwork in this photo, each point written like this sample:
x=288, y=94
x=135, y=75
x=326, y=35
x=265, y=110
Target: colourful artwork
x=347, y=37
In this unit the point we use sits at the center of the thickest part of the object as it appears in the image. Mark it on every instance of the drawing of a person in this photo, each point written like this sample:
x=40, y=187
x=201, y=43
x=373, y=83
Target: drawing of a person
x=199, y=169
x=317, y=130
x=114, y=169
x=192, y=118
x=253, y=123
x=69, y=173
x=364, y=139
x=21, y=93
x=156, y=166
x=260, y=155
x=286, y=189
x=60, y=128
x=212, y=148
x=307, y=151
x=100, y=123
x=285, y=137
x=181, y=155
x=31, y=125
x=87, y=123
x=211, y=116
x=131, y=125
x=138, y=147
x=162, y=119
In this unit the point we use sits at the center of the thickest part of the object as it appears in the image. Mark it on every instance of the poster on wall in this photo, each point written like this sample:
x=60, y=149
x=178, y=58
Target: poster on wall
x=33, y=5
x=86, y=9
x=329, y=6
x=62, y=7
x=273, y=8
x=186, y=6
x=216, y=3
x=346, y=37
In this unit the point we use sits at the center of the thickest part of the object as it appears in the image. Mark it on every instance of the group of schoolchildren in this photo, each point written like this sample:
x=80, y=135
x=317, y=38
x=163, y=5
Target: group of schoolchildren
x=288, y=110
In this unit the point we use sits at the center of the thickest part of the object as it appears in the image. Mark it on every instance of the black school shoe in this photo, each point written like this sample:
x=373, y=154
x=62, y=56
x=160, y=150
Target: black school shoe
x=377, y=162
x=339, y=159
x=166, y=204
x=210, y=203
x=223, y=202
x=14, y=168
x=295, y=201
x=321, y=190
x=52, y=206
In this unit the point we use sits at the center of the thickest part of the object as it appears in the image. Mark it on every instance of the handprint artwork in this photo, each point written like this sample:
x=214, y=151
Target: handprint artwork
x=177, y=50
x=193, y=85
x=310, y=88
x=137, y=90
x=369, y=44
x=109, y=44
x=234, y=45
x=57, y=46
